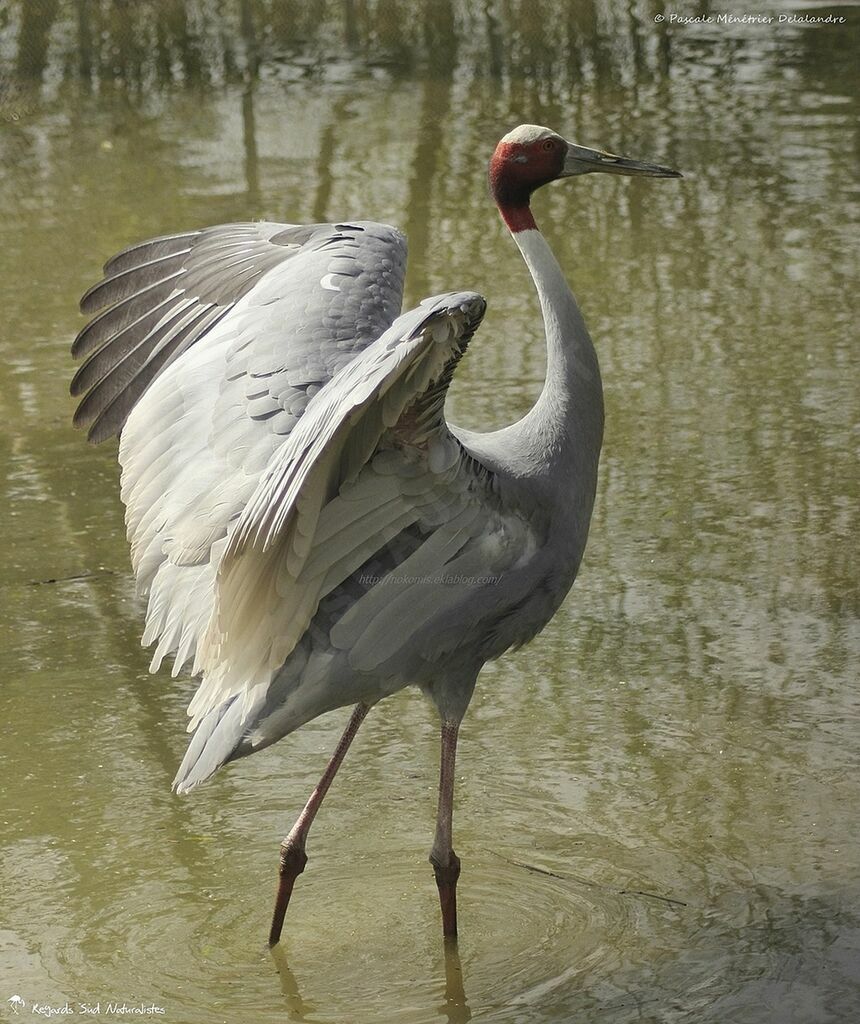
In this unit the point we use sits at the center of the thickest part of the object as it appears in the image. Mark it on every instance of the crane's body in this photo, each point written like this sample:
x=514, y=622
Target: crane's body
x=309, y=530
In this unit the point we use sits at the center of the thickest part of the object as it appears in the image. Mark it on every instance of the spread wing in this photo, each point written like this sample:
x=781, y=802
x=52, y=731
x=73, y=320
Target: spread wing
x=162, y=296
x=212, y=344
x=371, y=457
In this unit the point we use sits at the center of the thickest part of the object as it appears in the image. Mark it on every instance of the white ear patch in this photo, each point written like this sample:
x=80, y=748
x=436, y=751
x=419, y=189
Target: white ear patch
x=527, y=133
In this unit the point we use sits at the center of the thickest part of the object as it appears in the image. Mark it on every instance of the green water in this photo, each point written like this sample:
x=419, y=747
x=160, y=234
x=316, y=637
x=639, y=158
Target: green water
x=658, y=807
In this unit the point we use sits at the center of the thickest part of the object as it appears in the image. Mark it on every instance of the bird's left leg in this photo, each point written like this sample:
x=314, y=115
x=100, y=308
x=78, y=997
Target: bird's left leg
x=446, y=863
x=293, y=856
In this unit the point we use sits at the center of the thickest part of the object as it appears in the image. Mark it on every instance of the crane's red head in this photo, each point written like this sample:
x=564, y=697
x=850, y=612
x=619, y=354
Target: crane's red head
x=525, y=159
x=531, y=156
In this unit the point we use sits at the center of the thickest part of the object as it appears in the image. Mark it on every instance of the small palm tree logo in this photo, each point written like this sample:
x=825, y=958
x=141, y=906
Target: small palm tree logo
x=17, y=1003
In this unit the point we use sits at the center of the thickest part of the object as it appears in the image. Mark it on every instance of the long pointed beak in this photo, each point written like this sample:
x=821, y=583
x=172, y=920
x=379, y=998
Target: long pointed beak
x=579, y=160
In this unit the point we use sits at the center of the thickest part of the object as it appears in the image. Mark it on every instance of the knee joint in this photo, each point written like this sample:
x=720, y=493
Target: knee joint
x=293, y=858
x=446, y=869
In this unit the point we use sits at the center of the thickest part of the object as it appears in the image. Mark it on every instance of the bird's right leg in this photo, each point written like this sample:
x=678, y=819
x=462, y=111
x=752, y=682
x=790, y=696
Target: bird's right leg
x=293, y=856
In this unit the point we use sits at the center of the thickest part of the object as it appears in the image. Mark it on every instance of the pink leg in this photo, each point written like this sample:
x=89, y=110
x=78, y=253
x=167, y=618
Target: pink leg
x=293, y=856
x=446, y=863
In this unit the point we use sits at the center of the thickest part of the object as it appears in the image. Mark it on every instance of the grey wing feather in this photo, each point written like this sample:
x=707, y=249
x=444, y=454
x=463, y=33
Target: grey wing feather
x=208, y=382
x=162, y=296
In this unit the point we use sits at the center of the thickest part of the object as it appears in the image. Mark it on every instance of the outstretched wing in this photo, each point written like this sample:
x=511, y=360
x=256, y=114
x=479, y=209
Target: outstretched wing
x=371, y=457
x=212, y=344
x=164, y=295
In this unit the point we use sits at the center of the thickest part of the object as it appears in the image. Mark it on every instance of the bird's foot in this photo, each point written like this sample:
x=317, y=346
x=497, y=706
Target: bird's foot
x=292, y=864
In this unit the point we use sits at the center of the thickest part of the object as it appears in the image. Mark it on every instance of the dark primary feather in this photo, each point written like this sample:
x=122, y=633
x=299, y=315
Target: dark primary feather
x=126, y=283
x=122, y=340
x=141, y=252
x=135, y=311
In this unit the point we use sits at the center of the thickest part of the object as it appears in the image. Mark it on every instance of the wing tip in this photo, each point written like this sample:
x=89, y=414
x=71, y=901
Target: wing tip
x=79, y=344
x=100, y=426
x=470, y=303
x=441, y=308
x=103, y=430
x=89, y=303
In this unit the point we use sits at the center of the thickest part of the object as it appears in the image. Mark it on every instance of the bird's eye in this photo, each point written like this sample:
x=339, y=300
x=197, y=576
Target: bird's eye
x=548, y=144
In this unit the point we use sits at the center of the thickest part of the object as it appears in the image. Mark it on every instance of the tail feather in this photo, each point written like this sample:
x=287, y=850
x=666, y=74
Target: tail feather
x=214, y=742
x=300, y=691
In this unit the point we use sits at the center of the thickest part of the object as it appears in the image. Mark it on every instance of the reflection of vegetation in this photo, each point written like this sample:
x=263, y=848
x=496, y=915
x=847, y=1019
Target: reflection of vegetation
x=554, y=41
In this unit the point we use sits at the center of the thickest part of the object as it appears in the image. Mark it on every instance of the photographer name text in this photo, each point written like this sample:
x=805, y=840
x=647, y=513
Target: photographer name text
x=750, y=19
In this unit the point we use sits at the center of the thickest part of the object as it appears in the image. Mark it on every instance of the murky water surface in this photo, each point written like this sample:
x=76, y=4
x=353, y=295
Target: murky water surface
x=658, y=808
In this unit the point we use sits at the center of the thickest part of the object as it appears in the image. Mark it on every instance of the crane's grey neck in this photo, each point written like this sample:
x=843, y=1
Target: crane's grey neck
x=572, y=395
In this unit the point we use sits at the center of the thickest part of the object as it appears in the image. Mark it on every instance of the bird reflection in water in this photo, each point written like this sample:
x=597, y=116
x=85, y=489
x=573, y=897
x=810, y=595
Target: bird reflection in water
x=297, y=1008
x=455, y=1008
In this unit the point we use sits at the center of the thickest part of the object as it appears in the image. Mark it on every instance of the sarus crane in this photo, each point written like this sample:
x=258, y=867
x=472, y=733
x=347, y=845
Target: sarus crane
x=309, y=530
